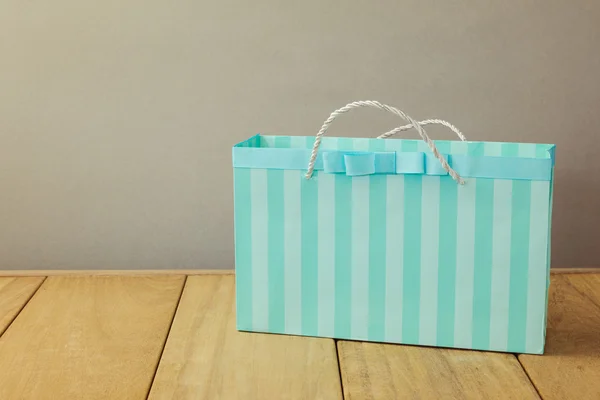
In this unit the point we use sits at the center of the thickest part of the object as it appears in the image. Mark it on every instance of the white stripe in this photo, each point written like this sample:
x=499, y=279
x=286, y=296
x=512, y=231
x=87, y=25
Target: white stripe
x=359, y=325
x=492, y=149
x=538, y=265
x=430, y=226
x=393, y=145
x=359, y=304
x=394, y=238
x=298, y=142
x=527, y=150
x=326, y=256
x=361, y=144
x=465, y=259
x=500, y=265
x=459, y=147
x=260, y=265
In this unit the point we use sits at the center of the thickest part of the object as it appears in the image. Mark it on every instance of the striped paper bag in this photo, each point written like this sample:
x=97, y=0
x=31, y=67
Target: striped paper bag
x=443, y=243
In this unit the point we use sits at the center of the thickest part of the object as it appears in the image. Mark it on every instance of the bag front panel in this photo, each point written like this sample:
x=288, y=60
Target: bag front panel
x=394, y=258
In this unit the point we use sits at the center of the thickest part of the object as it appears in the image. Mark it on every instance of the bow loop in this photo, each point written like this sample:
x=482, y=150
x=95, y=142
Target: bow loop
x=359, y=163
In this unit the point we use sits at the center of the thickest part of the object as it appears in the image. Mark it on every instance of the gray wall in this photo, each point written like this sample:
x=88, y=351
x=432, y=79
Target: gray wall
x=117, y=117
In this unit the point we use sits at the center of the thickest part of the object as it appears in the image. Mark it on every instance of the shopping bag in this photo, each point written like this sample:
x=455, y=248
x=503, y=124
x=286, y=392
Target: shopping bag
x=443, y=243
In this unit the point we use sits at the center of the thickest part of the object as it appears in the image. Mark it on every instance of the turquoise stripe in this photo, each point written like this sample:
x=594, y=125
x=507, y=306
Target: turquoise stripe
x=500, y=265
x=538, y=266
x=482, y=280
x=447, y=261
x=377, y=250
x=446, y=257
x=343, y=243
x=519, y=260
x=276, y=231
x=310, y=245
x=411, y=259
x=275, y=250
x=326, y=252
x=411, y=285
x=510, y=150
x=476, y=148
x=359, y=326
x=283, y=142
x=430, y=223
x=268, y=141
x=377, y=256
x=243, y=248
x=310, y=142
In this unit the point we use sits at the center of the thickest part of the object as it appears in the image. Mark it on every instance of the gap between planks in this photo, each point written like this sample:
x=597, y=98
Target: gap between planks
x=15, y=294
x=76, y=343
x=549, y=392
x=207, y=358
x=571, y=362
x=162, y=350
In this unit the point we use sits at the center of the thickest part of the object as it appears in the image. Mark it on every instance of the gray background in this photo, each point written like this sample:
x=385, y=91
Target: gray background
x=117, y=117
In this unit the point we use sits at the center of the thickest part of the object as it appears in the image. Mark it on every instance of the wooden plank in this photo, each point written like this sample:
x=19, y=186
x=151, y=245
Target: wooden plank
x=386, y=371
x=14, y=294
x=570, y=367
x=111, y=272
x=88, y=338
x=590, y=270
x=206, y=358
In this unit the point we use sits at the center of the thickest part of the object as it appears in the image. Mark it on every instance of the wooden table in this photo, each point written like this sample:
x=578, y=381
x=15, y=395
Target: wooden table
x=174, y=337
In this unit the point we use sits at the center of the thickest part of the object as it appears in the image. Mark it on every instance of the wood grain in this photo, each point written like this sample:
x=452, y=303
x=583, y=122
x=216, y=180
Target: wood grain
x=14, y=294
x=570, y=367
x=88, y=338
x=386, y=371
x=206, y=358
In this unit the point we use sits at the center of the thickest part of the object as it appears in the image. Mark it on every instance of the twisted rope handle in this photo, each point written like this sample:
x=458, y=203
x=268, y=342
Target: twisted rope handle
x=393, y=110
x=424, y=122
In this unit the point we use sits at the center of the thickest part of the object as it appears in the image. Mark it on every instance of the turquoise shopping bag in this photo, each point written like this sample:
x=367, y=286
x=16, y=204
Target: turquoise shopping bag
x=443, y=243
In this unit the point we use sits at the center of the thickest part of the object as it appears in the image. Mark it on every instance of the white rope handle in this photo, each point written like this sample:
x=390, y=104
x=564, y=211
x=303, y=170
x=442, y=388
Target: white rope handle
x=425, y=122
x=393, y=110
